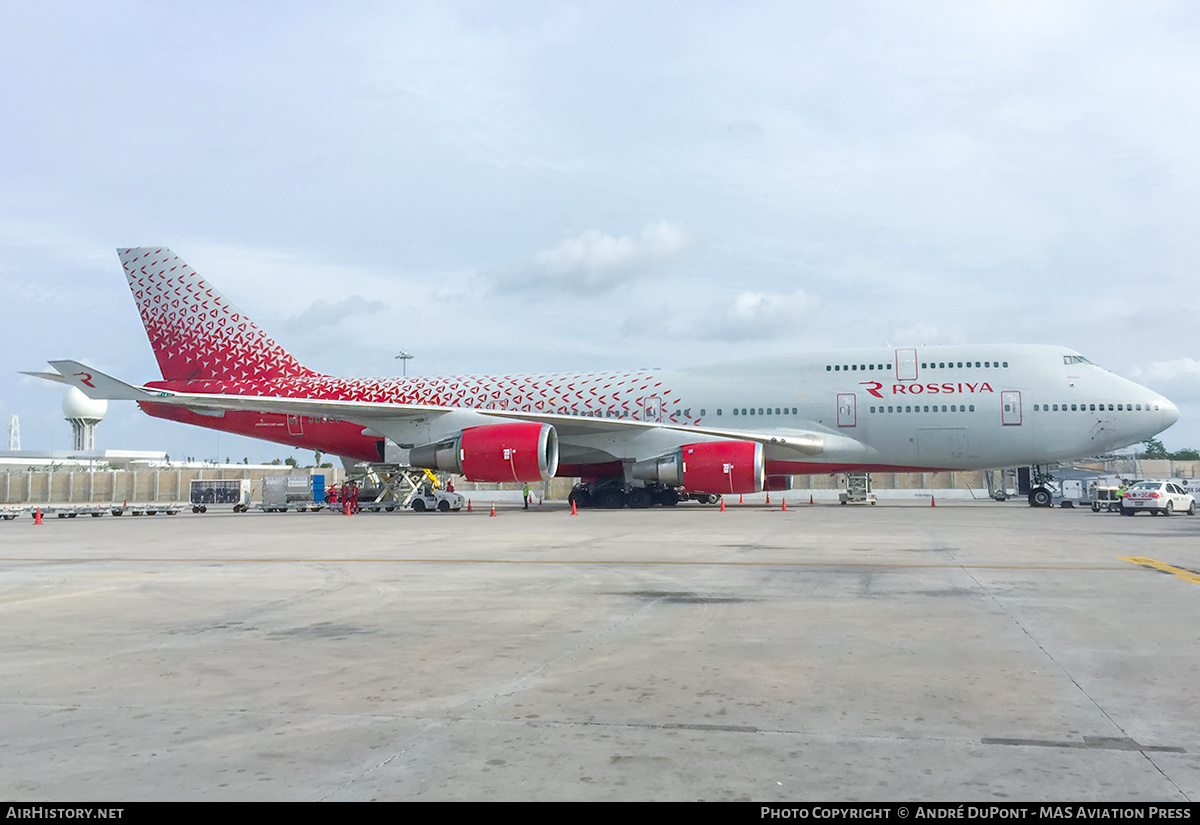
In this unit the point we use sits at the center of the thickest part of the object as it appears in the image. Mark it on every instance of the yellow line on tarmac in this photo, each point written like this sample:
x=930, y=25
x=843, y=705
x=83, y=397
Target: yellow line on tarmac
x=1155, y=564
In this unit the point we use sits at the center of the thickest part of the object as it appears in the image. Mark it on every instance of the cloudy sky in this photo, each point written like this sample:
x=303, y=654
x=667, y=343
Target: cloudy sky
x=519, y=186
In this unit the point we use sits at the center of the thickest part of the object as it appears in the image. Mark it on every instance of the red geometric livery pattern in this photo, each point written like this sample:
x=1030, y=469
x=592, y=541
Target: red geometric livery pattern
x=203, y=343
x=194, y=331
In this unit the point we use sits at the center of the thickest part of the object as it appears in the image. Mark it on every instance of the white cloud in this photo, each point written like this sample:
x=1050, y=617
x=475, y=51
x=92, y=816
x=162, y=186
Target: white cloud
x=1177, y=378
x=594, y=261
x=1177, y=369
x=760, y=316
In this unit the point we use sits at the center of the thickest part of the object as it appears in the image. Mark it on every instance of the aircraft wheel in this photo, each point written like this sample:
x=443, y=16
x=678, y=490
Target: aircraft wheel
x=638, y=498
x=613, y=500
x=1040, y=497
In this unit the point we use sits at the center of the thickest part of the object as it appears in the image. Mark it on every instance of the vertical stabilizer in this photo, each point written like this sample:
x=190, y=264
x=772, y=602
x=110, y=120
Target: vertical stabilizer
x=196, y=334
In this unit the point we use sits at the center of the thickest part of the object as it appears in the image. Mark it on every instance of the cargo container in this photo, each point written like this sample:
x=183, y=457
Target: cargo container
x=206, y=491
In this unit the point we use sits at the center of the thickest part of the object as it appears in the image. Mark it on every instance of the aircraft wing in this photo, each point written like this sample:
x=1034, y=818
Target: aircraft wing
x=378, y=415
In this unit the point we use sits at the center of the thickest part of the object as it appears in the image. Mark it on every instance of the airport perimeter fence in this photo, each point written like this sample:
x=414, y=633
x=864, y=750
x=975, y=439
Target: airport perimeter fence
x=106, y=486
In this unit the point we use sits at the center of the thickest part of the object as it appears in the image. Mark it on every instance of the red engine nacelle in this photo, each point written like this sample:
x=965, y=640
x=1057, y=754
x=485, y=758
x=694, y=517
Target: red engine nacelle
x=709, y=467
x=520, y=451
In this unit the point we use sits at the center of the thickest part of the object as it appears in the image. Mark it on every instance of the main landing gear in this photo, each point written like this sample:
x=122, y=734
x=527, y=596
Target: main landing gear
x=1039, y=490
x=611, y=494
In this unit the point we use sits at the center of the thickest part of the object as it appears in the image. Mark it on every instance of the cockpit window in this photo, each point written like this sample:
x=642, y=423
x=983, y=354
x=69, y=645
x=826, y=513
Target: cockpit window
x=1075, y=359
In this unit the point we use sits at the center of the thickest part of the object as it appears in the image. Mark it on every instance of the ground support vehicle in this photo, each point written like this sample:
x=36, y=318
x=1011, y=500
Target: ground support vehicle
x=429, y=499
x=856, y=489
x=293, y=492
x=206, y=491
x=10, y=513
x=378, y=506
x=93, y=510
x=147, y=509
x=1105, y=499
x=1158, y=497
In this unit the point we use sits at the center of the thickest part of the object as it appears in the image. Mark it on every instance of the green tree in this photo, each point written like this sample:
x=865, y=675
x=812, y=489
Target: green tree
x=1154, y=449
x=1186, y=454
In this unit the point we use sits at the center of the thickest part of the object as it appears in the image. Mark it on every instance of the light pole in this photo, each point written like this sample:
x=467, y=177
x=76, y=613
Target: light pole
x=404, y=357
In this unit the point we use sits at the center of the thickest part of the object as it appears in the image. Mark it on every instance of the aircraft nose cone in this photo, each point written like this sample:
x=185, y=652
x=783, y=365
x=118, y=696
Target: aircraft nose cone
x=1170, y=413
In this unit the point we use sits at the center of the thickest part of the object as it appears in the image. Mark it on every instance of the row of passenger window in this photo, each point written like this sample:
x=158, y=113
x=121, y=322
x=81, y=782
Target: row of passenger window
x=941, y=365
x=1092, y=407
x=926, y=408
x=761, y=411
x=925, y=365
x=741, y=411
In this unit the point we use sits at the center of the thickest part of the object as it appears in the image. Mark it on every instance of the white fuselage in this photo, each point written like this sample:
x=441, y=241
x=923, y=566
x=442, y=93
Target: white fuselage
x=952, y=407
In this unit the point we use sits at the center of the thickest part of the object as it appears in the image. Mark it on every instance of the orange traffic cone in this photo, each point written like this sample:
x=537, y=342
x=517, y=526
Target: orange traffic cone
x=785, y=505
x=468, y=505
x=722, y=504
x=932, y=503
x=740, y=499
x=37, y=516
x=768, y=498
x=810, y=499
x=493, y=513
x=574, y=511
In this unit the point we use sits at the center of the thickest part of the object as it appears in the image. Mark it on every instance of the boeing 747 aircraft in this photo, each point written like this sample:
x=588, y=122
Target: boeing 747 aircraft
x=639, y=437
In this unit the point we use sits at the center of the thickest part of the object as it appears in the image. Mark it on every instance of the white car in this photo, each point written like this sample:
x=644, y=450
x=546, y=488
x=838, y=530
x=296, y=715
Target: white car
x=428, y=499
x=1157, y=497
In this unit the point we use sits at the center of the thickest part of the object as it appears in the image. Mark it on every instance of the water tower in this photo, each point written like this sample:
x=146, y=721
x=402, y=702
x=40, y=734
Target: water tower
x=84, y=414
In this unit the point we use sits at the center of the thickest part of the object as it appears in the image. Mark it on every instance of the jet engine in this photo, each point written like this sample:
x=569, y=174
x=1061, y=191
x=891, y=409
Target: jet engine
x=518, y=451
x=708, y=467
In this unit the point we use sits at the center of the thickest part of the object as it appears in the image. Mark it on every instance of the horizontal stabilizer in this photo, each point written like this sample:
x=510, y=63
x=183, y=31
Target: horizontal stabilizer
x=47, y=376
x=95, y=384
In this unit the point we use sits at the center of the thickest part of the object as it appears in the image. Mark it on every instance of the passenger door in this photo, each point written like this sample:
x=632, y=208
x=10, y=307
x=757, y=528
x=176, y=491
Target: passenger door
x=847, y=415
x=1010, y=408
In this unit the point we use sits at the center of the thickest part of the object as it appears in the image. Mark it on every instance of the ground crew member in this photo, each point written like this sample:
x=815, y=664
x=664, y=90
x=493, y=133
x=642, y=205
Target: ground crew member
x=525, y=494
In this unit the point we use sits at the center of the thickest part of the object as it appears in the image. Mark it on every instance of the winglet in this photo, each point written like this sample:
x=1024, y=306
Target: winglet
x=95, y=384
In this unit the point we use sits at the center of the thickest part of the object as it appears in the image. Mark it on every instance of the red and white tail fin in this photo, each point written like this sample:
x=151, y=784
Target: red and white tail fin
x=196, y=334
